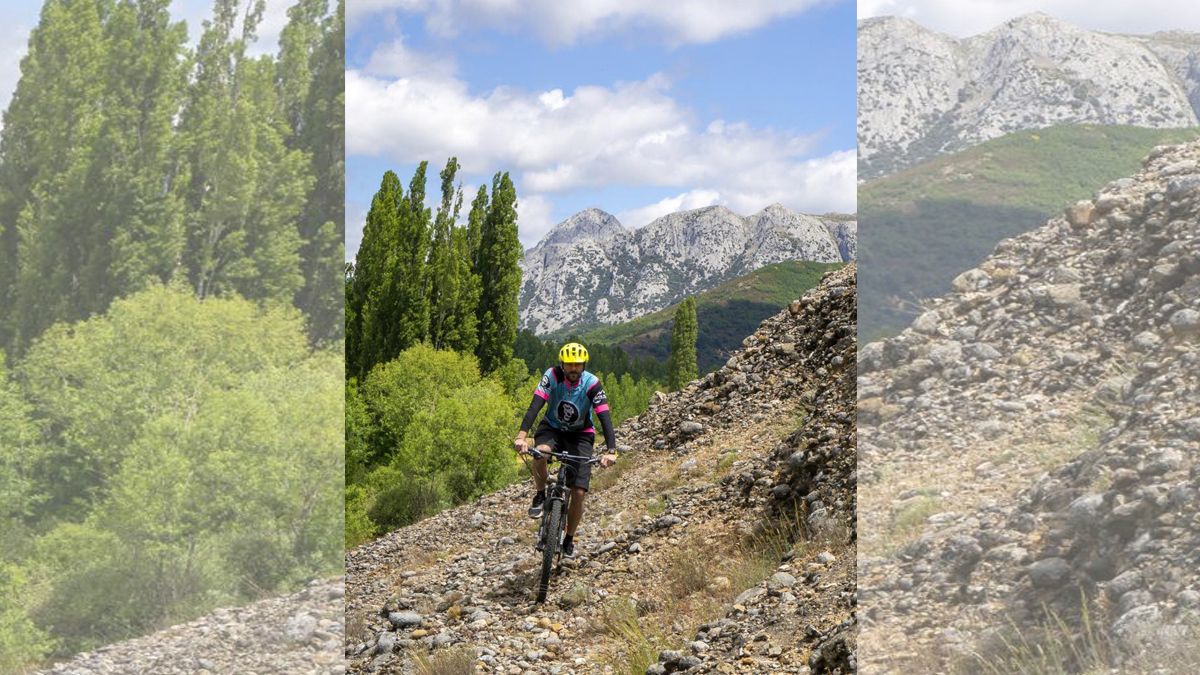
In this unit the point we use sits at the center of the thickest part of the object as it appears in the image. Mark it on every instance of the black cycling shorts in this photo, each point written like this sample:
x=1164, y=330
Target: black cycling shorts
x=578, y=443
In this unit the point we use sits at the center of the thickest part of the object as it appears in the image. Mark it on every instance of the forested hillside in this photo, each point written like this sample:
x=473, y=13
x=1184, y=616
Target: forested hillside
x=170, y=309
x=930, y=222
x=725, y=314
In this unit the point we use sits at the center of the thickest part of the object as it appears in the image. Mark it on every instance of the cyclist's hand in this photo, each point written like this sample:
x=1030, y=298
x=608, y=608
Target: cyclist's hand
x=608, y=460
x=521, y=445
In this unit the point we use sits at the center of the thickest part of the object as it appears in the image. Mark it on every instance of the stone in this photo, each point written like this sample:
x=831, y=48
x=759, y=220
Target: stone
x=405, y=619
x=1049, y=572
x=782, y=580
x=385, y=644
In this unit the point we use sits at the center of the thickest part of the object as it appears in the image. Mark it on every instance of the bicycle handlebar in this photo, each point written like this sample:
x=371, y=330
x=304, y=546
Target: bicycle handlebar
x=537, y=454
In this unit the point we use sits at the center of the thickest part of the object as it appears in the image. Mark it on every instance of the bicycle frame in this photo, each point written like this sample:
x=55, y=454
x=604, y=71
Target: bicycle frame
x=555, y=515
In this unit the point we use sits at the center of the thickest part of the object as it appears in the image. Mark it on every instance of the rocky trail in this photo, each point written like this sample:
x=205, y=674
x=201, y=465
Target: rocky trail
x=723, y=541
x=300, y=633
x=1029, y=449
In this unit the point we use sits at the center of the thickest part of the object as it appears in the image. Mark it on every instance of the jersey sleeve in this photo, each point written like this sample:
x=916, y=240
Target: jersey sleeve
x=600, y=406
x=544, y=387
x=598, y=398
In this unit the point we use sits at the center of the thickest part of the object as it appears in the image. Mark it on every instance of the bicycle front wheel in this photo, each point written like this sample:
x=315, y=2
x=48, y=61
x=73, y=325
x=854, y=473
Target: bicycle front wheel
x=550, y=545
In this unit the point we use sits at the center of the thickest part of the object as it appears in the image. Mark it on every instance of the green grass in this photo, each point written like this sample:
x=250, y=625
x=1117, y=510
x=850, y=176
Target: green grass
x=928, y=223
x=726, y=314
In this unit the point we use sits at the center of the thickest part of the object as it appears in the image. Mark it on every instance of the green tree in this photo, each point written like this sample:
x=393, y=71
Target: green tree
x=98, y=383
x=246, y=186
x=195, y=459
x=49, y=128
x=437, y=434
x=407, y=294
x=21, y=641
x=500, y=276
x=444, y=279
x=135, y=212
x=311, y=76
x=367, y=336
x=682, y=365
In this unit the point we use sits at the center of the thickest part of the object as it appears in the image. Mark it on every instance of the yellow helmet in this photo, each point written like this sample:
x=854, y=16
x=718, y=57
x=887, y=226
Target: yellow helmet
x=573, y=352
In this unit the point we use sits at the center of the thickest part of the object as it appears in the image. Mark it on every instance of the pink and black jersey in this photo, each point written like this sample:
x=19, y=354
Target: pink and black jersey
x=571, y=407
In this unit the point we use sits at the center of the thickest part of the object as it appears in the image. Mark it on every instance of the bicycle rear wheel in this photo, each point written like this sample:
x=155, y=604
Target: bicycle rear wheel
x=550, y=546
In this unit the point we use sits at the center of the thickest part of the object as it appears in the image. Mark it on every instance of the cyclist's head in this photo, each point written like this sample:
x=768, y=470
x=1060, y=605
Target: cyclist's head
x=574, y=357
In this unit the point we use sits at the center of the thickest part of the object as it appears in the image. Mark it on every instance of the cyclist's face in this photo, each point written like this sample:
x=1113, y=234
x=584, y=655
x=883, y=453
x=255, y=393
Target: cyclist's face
x=573, y=371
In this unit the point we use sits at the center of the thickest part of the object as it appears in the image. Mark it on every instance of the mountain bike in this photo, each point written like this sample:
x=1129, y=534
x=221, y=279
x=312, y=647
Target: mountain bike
x=554, y=514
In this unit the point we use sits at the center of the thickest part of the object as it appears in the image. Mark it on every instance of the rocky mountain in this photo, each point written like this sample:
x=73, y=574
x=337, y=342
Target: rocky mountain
x=1030, y=449
x=722, y=541
x=923, y=93
x=298, y=633
x=589, y=270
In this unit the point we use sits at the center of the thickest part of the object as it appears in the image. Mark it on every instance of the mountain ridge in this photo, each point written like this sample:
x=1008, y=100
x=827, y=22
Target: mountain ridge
x=589, y=269
x=924, y=93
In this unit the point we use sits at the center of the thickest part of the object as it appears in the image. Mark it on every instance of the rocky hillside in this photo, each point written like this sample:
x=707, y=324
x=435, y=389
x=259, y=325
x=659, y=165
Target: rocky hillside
x=923, y=93
x=722, y=541
x=1030, y=449
x=589, y=270
x=299, y=633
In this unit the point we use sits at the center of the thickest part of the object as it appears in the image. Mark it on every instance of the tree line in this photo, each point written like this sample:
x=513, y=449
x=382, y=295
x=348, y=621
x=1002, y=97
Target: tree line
x=171, y=404
x=129, y=159
x=425, y=277
x=432, y=389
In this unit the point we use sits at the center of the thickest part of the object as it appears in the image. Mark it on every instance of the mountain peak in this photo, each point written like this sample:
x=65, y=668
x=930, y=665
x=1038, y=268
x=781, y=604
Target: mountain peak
x=590, y=223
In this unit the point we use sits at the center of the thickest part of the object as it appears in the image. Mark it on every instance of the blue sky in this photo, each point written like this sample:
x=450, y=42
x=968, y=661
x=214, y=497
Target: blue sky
x=637, y=108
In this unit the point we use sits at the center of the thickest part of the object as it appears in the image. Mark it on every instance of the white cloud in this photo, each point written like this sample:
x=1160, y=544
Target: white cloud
x=632, y=133
x=394, y=59
x=1147, y=16
x=692, y=199
x=533, y=218
x=564, y=23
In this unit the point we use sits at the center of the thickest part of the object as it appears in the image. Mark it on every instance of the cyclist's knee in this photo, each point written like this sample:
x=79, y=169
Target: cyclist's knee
x=578, y=493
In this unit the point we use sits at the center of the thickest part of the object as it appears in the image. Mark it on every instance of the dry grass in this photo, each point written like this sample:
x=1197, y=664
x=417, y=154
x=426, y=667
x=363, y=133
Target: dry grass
x=455, y=661
x=690, y=570
x=637, y=648
x=603, y=479
x=1050, y=648
x=907, y=523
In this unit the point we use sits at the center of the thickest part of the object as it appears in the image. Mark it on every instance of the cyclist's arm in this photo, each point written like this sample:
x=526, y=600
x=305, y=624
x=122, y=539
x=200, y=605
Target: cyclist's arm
x=610, y=435
x=535, y=406
x=600, y=405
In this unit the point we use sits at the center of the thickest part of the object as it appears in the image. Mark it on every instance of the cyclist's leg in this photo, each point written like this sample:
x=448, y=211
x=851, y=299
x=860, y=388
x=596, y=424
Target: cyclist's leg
x=581, y=446
x=543, y=439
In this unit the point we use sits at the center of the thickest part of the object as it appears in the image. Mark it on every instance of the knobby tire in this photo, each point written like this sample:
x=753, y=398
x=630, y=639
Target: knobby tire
x=550, y=547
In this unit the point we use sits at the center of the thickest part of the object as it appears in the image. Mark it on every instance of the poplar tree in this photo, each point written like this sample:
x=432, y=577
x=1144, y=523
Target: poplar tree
x=49, y=126
x=499, y=255
x=246, y=187
x=682, y=363
x=407, y=296
x=311, y=75
x=463, y=332
x=134, y=187
x=443, y=283
x=366, y=339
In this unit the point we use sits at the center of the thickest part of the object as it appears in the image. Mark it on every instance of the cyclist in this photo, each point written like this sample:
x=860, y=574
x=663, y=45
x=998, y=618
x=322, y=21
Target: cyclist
x=573, y=394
